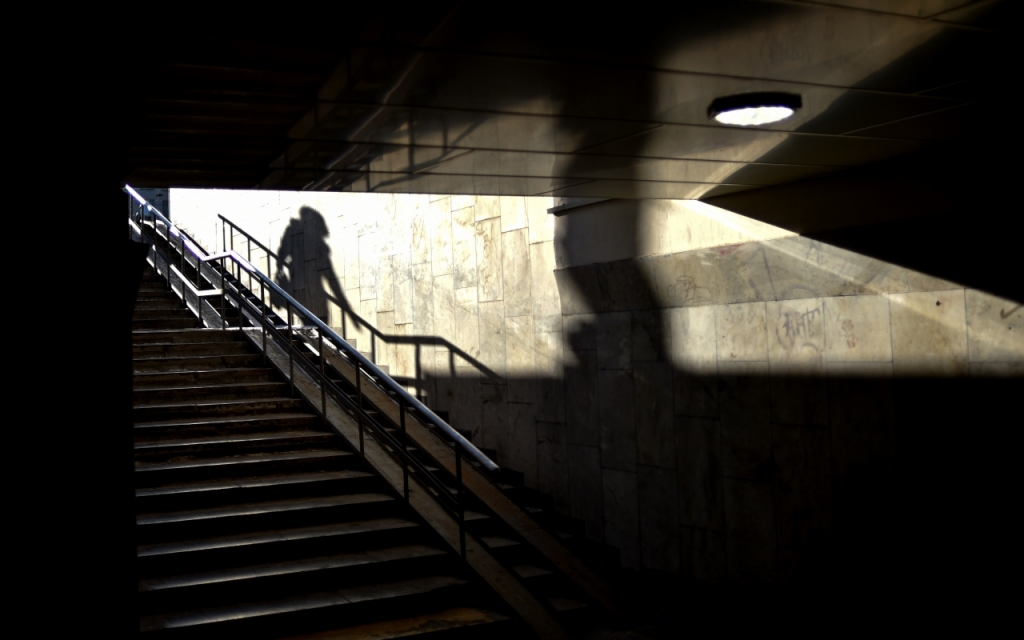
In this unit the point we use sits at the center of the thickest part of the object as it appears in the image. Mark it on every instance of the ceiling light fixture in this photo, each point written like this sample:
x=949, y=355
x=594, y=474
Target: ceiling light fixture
x=751, y=109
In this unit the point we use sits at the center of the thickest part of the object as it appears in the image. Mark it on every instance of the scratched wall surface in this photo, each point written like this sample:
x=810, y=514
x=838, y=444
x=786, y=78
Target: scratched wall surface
x=710, y=395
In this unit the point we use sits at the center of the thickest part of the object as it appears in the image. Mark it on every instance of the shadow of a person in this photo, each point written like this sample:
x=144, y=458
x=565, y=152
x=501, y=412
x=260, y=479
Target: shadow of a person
x=304, y=265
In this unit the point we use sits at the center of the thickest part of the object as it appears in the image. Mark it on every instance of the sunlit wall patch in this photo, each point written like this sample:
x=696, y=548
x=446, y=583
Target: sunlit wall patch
x=752, y=109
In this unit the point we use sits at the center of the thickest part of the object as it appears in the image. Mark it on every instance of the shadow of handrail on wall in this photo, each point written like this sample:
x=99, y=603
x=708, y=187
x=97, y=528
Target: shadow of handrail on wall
x=338, y=298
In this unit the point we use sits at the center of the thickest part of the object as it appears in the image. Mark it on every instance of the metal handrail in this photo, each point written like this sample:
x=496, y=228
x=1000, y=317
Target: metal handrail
x=353, y=354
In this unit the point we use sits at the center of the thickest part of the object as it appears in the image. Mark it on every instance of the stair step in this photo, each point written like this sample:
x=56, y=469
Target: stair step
x=209, y=392
x=526, y=571
x=181, y=349
x=170, y=411
x=248, y=459
x=185, y=336
x=335, y=598
x=229, y=423
x=158, y=379
x=282, y=437
x=257, y=508
x=427, y=624
x=195, y=363
x=497, y=542
x=302, y=565
x=250, y=482
x=161, y=323
x=561, y=605
x=375, y=526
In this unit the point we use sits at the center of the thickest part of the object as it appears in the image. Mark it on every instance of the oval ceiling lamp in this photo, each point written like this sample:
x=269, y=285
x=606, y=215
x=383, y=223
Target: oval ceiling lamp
x=751, y=109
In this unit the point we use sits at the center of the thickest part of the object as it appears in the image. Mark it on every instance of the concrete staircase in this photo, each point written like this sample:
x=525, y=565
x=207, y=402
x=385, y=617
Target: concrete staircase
x=255, y=518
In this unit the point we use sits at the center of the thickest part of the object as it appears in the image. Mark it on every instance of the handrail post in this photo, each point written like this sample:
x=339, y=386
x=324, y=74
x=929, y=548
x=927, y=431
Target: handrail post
x=223, y=297
x=263, y=306
x=405, y=452
x=291, y=356
x=359, y=414
x=459, y=500
x=323, y=377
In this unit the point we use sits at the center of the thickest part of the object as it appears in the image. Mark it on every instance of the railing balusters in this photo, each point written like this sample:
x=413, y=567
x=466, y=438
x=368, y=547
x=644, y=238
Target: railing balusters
x=291, y=357
x=405, y=450
x=323, y=376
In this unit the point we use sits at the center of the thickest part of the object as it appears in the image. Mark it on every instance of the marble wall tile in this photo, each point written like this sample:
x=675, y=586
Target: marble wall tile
x=745, y=276
x=460, y=202
x=420, y=229
x=581, y=331
x=623, y=286
x=368, y=313
x=543, y=288
x=693, y=352
x=369, y=262
x=997, y=369
x=616, y=418
x=547, y=324
x=467, y=327
x=699, y=472
x=386, y=346
x=552, y=463
x=465, y=411
x=519, y=358
x=541, y=223
x=489, y=259
x=917, y=281
x=445, y=382
x=659, y=523
x=796, y=336
x=444, y=308
x=652, y=388
x=385, y=285
x=863, y=442
x=487, y=207
x=799, y=269
x=857, y=329
x=750, y=531
x=702, y=555
x=492, y=337
x=742, y=333
x=995, y=328
x=513, y=213
x=929, y=333
x=403, y=287
x=440, y=221
x=550, y=375
x=514, y=273
x=405, y=352
x=621, y=515
x=422, y=300
x=494, y=416
x=688, y=279
x=647, y=335
x=585, y=501
x=578, y=290
x=581, y=400
x=350, y=243
x=520, y=449
x=745, y=409
x=803, y=492
x=464, y=255
x=614, y=333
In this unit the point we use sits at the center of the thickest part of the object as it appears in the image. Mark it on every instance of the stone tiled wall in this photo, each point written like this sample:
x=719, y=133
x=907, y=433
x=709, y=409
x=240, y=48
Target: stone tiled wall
x=733, y=402
x=715, y=404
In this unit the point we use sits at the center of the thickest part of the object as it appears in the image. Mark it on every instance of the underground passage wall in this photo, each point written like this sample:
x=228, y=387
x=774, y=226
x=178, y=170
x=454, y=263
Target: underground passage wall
x=713, y=396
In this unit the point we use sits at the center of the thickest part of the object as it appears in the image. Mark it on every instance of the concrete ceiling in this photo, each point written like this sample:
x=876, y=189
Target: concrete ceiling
x=543, y=101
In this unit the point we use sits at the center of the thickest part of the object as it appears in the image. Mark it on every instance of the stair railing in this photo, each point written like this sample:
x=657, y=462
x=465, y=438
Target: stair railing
x=258, y=315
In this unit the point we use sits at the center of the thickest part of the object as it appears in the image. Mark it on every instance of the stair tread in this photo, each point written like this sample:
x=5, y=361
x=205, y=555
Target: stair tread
x=530, y=571
x=251, y=482
x=302, y=565
x=216, y=385
x=226, y=439
x=257, y=508
x=561, y=604
x=497, y=542
x=212, y=421
x=210, y=403
x=448, y=620
x=252, y=458
x=305, y=602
